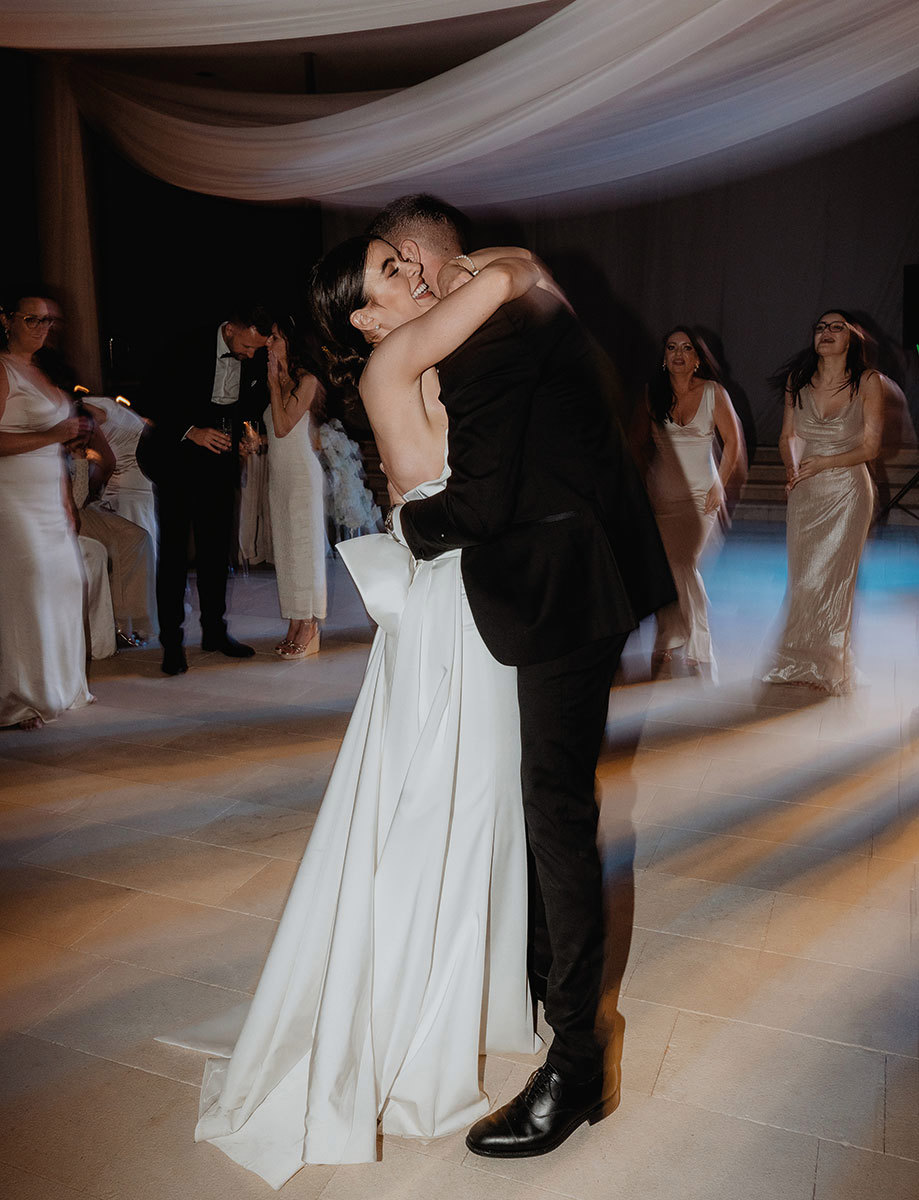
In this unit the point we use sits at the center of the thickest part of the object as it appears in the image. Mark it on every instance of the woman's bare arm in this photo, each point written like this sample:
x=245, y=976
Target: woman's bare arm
x=788, y=441
x=407, y=352
x=291, y=399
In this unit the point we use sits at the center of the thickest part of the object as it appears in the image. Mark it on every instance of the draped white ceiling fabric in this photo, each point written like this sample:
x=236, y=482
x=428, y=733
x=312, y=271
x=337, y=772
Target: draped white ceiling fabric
x=601, y=93
x=137, y=24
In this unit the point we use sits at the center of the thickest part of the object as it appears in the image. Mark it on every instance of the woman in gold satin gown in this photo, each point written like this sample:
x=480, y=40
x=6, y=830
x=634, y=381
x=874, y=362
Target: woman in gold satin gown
x=831, y=430
x=686, y=406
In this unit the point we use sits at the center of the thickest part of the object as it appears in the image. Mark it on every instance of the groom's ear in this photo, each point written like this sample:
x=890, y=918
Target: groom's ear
x=410, y=250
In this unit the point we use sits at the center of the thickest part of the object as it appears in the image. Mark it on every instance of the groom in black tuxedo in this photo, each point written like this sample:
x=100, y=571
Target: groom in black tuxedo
x=561, y=559
x=198, y=394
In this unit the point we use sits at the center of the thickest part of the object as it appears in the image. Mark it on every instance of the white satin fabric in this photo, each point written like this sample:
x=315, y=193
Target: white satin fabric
x=829, y=516
x=681, y=475
x=602, y=93
x=100, y=616
x=296, y=494
x=133, y=24
x=129, y=492
x=42, y=644
x=401, y=954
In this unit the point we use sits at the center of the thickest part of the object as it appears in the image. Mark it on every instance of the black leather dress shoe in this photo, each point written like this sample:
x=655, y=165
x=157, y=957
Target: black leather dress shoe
x=174, y=661
x=227, y=645
x=547, y=1110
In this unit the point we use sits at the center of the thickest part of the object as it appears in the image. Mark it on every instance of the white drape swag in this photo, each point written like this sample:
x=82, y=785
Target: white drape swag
x=603, y=92
x=136, y=24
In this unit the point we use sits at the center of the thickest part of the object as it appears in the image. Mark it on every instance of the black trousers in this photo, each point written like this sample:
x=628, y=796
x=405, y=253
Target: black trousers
x=563, y=709
x=182, y=507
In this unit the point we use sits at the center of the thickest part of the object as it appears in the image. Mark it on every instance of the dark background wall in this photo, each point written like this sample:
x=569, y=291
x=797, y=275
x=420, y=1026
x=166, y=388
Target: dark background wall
x=18, y=217
x=753, y=261
x=168, y=259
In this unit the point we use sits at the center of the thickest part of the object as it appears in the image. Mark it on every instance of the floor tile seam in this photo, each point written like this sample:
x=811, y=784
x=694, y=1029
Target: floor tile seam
x=867, y=1150
x=689, y=937
x=101, y=968
x=743, y=837
x=797, y=1033
x=764, y=1123
x=151, y=891
x=174, y=837
x=118, y=1062
x=109, y=961
x=869, y=805
x=490, y=1167
x=138, y=892
x=102, y=1058
x=811, y=842
x=77, y=1191
x=783, y=891
x=804, y=767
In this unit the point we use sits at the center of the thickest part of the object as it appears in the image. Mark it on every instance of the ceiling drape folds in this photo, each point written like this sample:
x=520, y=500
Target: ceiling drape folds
x=601, y=93
x=136, y=24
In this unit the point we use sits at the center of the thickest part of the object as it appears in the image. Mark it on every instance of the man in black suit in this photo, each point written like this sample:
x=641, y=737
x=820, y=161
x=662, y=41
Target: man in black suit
x=199, y=394
x=561, y=559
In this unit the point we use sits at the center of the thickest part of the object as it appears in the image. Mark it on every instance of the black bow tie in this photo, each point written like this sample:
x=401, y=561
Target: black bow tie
x=229, y=354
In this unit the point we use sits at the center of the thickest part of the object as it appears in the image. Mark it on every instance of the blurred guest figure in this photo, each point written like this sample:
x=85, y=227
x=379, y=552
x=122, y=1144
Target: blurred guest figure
x=42, y=644
x=295, y=489
x=130, y=549
x=128, y=492
x=350, y=507
x=100, y=616
x=200, y=393
x=686, y=406
x=834, y=414
x=255, y=538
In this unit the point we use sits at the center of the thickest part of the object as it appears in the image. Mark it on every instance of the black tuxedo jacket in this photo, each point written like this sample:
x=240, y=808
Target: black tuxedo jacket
x=177, y=394
x=560, y=547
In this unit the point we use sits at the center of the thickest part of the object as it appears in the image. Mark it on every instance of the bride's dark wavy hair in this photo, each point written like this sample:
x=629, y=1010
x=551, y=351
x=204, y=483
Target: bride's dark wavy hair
x=336, y=290
x=660, y=390
x=795, y=374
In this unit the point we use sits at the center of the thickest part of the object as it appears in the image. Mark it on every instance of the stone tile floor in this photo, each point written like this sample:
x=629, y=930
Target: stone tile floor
x=770, y=984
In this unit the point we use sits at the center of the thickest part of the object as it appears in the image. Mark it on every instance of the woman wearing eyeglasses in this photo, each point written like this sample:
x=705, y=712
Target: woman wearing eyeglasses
x=42, y=648
x=831, y=430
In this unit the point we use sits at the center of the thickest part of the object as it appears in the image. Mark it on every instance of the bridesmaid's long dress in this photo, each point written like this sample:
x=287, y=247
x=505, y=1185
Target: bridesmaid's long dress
x=42, y=644
x=681, y=476
x=829, y=516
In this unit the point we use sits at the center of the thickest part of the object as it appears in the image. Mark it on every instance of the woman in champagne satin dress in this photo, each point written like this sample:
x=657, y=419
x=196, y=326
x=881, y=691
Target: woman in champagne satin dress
x=830, y=432
x=686, y=406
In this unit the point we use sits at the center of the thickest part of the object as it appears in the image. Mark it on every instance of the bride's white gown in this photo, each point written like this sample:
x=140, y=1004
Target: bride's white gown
x=401, y=954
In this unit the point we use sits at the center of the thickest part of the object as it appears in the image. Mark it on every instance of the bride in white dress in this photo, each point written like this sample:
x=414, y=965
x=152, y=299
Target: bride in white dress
x=401, y=955
x=42, y=644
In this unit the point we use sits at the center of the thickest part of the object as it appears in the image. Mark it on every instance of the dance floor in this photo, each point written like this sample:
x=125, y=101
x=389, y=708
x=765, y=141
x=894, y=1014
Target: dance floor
x=770, y=995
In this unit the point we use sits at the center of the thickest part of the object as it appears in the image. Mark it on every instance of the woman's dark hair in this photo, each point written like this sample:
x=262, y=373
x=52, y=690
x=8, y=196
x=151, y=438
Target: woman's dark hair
x=661, y=397
x=303, y=355
x=795, y=374
x=336, y=290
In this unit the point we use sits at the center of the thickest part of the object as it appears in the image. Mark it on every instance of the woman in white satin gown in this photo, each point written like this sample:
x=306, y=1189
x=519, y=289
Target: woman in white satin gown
x=296, y=490
x=42, y=644
x=833, y=420
x=687, y=406
x=401, y=955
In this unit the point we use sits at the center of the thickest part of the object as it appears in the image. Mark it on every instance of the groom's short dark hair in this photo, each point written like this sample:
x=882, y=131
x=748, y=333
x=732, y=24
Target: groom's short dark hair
x=406, y=213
